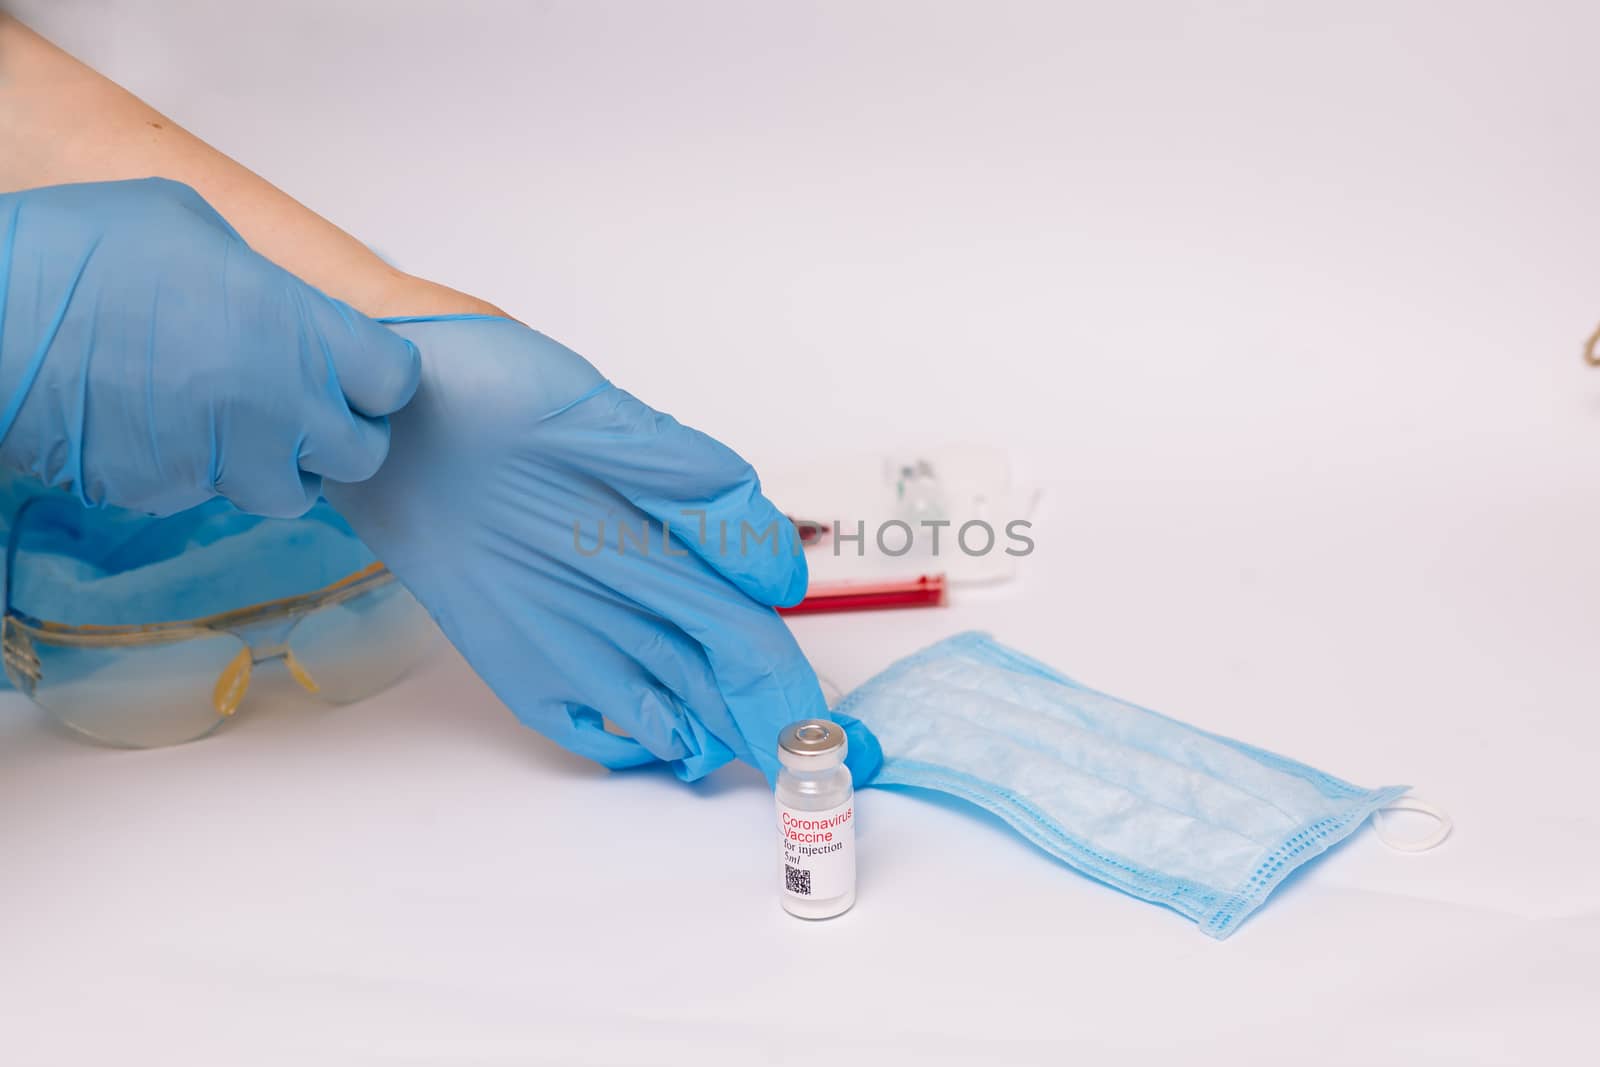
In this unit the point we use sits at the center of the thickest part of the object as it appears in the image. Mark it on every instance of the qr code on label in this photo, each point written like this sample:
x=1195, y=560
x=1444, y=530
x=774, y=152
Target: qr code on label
x=797, y=881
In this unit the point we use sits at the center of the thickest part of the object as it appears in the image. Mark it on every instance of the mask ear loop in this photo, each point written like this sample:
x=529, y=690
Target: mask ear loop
x=1591, y=351
x=830, y=692
x=1421, y=844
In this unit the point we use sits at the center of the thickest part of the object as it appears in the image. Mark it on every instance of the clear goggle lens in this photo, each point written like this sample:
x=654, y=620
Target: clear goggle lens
x=159, y=691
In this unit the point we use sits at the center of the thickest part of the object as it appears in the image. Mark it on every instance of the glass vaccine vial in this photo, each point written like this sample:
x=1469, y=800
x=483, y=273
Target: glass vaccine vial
x=816, y=821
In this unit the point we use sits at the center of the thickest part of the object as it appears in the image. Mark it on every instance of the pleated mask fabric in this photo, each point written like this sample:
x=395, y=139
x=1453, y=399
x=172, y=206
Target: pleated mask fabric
x=1206, y=825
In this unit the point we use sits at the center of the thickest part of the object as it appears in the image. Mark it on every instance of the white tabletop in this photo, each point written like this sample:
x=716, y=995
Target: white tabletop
x=1283, y=309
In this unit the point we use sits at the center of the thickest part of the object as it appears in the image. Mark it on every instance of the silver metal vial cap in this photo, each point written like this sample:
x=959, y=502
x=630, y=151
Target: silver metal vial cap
x=812, y=745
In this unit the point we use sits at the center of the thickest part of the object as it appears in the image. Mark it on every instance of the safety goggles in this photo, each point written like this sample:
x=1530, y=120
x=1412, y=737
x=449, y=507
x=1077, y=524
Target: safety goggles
x=165, y=683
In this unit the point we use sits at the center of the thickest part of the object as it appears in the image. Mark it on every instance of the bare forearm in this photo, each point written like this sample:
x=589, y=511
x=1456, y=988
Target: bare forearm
x=61, y=122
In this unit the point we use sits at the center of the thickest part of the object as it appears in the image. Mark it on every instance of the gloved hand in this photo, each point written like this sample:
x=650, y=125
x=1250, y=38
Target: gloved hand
x=515, y=475
x=149, y=359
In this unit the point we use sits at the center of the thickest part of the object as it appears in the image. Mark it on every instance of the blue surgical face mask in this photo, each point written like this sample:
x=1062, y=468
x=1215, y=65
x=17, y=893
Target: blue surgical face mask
x=1206, y=825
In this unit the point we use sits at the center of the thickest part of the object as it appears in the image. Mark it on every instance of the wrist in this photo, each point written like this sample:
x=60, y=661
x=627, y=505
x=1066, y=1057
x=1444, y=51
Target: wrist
x=399, y=293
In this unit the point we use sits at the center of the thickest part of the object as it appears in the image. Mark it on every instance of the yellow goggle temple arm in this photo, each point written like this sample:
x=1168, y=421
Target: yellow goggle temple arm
x=299, y=673
x=232, y=684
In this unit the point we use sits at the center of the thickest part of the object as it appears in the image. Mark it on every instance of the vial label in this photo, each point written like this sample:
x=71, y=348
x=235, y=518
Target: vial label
x=819, y=851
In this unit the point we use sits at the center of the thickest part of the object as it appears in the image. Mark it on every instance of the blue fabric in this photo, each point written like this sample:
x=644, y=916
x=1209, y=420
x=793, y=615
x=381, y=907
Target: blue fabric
x=15, y=490
x=1203, y=824
x=568, y=540
x=149, y=359
x=108, y=566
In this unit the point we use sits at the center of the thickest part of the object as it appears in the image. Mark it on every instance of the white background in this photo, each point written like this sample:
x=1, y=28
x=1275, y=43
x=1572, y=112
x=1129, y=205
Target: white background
x=1283, y=304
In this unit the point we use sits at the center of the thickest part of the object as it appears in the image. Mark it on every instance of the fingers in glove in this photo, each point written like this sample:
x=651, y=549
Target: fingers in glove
x=344, y=446
x=580, y=672
x=699, y=488
x=377, y=369
x=678, y=664
x=279, y=491
x=761, y=677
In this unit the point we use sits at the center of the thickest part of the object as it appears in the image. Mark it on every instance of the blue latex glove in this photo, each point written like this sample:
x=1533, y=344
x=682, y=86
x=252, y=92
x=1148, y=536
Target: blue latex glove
x=149, y=359
x=512, y=439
